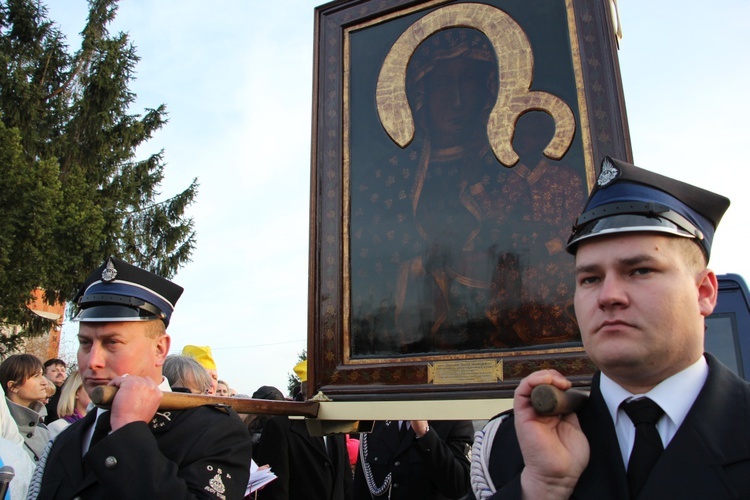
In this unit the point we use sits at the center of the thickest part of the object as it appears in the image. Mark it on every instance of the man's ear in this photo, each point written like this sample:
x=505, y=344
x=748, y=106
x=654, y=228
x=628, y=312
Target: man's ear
x=708, y=292
x=162, y=348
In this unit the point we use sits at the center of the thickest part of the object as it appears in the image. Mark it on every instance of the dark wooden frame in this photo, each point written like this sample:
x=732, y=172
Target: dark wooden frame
x=330, y=369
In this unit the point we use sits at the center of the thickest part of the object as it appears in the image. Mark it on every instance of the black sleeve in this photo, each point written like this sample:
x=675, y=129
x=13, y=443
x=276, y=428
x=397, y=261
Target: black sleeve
x=445, y=451
x=274, y=451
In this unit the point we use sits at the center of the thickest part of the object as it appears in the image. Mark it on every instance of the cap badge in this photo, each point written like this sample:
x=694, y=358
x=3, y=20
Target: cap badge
x=608, y=174
x=109, y=273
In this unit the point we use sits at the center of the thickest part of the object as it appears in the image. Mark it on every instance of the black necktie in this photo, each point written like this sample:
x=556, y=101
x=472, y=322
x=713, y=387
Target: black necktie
x=331, y=448
x=101, y=428
x=648, y=446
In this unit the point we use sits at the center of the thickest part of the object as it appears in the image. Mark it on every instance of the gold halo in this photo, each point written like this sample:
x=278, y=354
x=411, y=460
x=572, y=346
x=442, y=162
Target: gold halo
x=514, y=97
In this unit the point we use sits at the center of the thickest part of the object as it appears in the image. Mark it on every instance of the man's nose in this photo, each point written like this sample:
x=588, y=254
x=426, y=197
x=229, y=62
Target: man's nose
x=612, y=292
x=95, y=357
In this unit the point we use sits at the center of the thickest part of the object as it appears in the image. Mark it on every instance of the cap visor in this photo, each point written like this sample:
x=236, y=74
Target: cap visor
x=113, y=313
x=627, y=223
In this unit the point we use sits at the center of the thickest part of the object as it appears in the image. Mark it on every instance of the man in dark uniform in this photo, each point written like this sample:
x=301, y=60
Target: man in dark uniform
x=414, y=460
x=142, y=453
x=306, y=466
x=664, y=419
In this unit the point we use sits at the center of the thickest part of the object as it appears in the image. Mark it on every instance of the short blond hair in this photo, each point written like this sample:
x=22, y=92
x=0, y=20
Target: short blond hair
x=155, y=329
x=692, y=253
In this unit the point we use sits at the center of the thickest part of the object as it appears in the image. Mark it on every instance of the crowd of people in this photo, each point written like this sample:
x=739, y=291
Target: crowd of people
x=664, y=419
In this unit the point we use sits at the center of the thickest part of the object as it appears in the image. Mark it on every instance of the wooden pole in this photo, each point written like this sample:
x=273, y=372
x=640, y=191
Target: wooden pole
x=103, y=395
x=549, y=400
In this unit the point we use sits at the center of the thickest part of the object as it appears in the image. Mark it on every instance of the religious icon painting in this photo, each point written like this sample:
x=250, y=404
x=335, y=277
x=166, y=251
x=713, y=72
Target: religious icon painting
x=453, y=145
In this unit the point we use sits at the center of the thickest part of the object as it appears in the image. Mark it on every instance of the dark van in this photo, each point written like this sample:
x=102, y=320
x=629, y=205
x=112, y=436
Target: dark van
x=728, y=328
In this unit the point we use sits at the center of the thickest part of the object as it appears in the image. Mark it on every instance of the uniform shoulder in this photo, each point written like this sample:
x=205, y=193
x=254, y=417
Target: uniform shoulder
x=208, y=415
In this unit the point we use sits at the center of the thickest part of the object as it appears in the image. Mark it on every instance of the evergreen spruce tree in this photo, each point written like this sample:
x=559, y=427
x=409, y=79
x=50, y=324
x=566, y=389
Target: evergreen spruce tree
x=72, y=191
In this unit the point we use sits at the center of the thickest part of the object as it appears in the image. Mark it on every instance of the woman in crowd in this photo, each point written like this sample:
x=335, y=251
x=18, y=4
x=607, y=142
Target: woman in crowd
x=73, y=404
x=222, y=388
x=22, y=378
x=186, y=374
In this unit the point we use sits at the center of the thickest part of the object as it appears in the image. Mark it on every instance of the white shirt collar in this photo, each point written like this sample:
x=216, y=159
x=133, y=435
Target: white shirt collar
x=164, y=386
x=675, y=394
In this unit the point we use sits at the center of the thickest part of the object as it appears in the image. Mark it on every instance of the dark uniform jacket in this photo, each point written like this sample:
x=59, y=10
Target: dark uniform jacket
x=709, y=456
x=304, y=468
x=431, y=467
x=198, y=453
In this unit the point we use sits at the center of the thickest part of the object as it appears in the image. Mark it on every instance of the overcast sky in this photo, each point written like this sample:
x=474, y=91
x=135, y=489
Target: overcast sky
x=236, y=77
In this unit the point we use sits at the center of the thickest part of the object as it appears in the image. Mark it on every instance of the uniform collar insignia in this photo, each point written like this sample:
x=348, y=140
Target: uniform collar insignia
x=160, y=420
